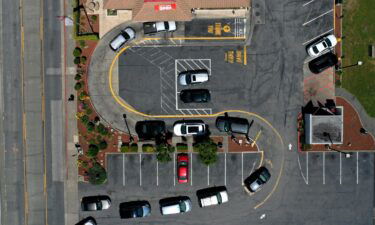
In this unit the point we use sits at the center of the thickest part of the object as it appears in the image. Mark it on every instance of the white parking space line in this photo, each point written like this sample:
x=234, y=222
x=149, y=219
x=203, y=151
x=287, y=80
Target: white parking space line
x=317, y=17
x=241, y=167
x=208, y=175
x=209, y=66
x=140, y=170
x=307, y=3
x=307, y=168
x=191, y=67
x=180, y=64
x=191, y=169
x=175, y=63
x=157, y=173
x=340, y=168
x=174, y=169
x=123, y=169
x=225, y=169
x=357, y=167
x=324, y=168
x=197, y=66
x=330, y=30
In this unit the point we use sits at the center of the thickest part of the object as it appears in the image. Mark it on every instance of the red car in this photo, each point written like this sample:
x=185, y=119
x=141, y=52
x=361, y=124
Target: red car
x=182, y=168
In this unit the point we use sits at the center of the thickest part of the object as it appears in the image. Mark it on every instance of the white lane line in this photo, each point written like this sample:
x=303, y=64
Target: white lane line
x=307, y=167
x=317, y=36
x=209, y=63
x=204, y=65
x=307, y=3
x=140, y=170
x=123, y=169
x=174, y=169
x=340, y=168
x=175, y=77
x=178, y=61
x=317, y=17
x=208, y=175
x=225, y=169
x=324, y=168
x=193, y=61
x=191, y=169
x=157, y=173
x=191, y=67
x=241, y=167
x=357, y=167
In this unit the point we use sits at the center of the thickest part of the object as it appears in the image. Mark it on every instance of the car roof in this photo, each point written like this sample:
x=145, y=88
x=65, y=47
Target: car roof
x=149, y=128
x=237, y=124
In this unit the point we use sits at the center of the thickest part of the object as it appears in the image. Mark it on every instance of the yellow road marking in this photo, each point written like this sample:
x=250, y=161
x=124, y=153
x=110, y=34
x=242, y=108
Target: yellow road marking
x=244, y=55
x=256, y=138
x=131, y=109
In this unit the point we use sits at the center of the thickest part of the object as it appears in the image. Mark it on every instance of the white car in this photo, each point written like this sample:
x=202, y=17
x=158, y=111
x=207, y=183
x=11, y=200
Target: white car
x=155, y=27
x=192, y=77
x=189, y=128
x=126, y=35
x=175, y=206
x=214, y=198
x=323, y=44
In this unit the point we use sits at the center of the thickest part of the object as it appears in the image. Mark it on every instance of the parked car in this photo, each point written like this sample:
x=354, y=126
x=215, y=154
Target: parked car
x=126, y=35
x=135, y=209
x=323, y=62
x=87, y=221
x=192, y=77
x=182, y=168
x=195, y=95
x=155, y=27
x=175, y=205
x=257, y=179
x=189, y=128
x=212, y=196
x=232, y=124
x=150, y=129
x=321, y=45
x=95, y=203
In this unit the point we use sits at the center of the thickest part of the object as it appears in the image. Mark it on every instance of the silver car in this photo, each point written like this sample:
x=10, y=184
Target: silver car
x=126, y=35
x=192, y=77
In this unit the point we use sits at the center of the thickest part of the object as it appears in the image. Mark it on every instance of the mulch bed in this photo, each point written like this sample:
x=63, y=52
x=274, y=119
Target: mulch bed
x=240, y=144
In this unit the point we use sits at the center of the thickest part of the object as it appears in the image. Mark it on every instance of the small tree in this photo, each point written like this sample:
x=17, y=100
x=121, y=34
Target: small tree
x=84, y=119
x=82, y=43
x=97, y=174
x=207, y=150
x=93, y=151
x=90, y=126
x=88, y=111
x=77, y=60
x=83, y=60
x=77, y=52
x=83, y=95
x=103, y=145
x=78, y=86
x=102, y=129
x=164, y=151
x=78, y=77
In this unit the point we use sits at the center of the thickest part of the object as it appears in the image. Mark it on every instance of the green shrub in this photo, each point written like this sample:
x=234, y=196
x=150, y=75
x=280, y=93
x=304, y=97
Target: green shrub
x=164, y=152
x=84, y=164
x=82, y=43
x=78, y=86
x=77, y=52
x=83, y=95
x=88, y=111
x=90, y=126
x=93, y=151
x=77, y=77
x=97, y=174
x=181, y=147
x=77, y=60
x=83, y=60
x=103, y=145
x=84, y=119
x=102, y=129
x=94, y=18
x=126, y=148
x=148, y=148
x=134, y=147
x=207, y=150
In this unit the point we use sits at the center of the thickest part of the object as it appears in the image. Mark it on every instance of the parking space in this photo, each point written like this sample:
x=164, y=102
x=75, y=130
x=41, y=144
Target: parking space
x=156, y=89
x=333, y=169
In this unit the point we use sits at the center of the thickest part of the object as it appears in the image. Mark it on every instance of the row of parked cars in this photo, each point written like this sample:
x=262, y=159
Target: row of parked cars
x=149, y=28
x=174, y=205
x=317, y=49
x=151, y=129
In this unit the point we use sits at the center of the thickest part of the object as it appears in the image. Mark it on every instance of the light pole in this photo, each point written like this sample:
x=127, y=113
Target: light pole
x=359, y=63
x=126, y=123
x=326, y=134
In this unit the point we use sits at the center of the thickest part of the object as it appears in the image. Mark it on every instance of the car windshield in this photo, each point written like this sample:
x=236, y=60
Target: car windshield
x=99, y=205
x=315, y=49
x=193, y=129
x=328, y=42
x=325, y=44
x=183, y=129
x=262, y=177
x=166, y=24
x=126, y=35
x=226, y=126
x=194, y=78
x=188, y=79
x=139, y=212
x=182, y=206
x=183, y=163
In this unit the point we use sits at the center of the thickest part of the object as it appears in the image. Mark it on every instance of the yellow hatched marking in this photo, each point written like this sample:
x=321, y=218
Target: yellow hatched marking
x=210, y=29
x=218, y=29
x=239, y=56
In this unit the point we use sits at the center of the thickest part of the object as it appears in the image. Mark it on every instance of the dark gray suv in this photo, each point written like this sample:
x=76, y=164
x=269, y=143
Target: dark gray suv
x=232, y=124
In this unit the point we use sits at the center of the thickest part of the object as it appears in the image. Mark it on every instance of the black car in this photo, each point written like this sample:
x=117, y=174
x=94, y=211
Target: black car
x=135, y=209
x=195, y=95
x=257, y=179
x=87, y=221
x=323, y=62
x=95, y=203
x=150, y=129
x=232, y=124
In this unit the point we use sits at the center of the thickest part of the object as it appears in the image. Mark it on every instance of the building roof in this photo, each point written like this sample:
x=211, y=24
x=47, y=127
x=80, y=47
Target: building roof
x=163, y=10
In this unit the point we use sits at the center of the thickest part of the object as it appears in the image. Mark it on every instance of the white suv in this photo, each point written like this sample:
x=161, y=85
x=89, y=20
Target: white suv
x=189, y=128
x=212, y=196
x=175, y=206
